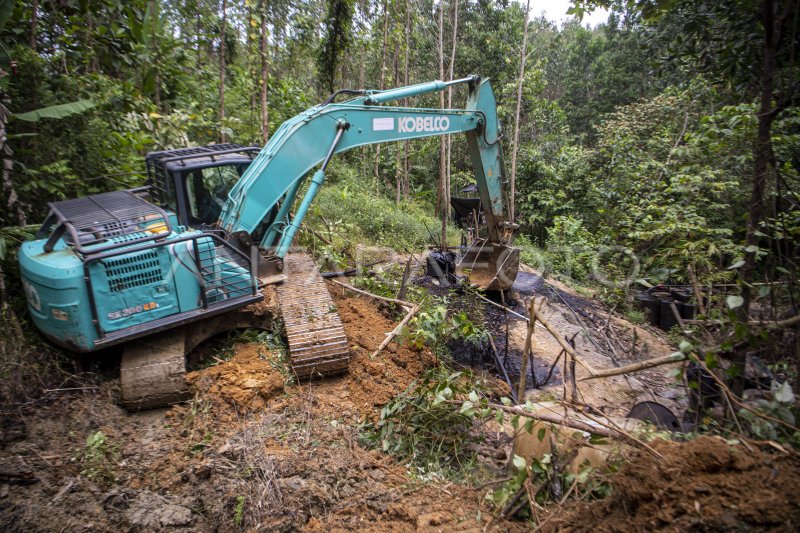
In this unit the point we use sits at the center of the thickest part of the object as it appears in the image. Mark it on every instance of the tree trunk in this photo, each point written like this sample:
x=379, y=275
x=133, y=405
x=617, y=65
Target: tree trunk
x=156, y=56
x=398, y=166
x=448, y=138
x=406, y=81
x=264, y=73
x=515, y=149
x=441, y=205
x=222, y=71
x=251, y=62
x=34, y=23
x=761, y=169
x=381, y=86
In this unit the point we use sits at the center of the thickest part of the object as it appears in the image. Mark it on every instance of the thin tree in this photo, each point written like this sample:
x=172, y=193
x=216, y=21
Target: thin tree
x=406, y=81
x=222, y=71
x=34, y=23
x=381, y=84
x=515, y=148
x=440, y=200
x=448, y=138
x=264, y=6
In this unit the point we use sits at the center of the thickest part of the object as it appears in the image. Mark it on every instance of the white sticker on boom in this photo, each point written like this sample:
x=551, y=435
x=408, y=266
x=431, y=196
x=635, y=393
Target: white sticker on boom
x=383, y=124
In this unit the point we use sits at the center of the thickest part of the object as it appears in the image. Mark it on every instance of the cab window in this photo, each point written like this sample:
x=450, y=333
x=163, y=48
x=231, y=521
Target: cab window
x=208, y=189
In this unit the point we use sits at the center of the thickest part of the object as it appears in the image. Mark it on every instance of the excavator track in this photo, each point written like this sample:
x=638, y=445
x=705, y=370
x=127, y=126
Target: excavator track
x=317, y=343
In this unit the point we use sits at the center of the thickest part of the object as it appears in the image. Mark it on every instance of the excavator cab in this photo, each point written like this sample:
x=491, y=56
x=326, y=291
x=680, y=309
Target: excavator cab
x=194, y=182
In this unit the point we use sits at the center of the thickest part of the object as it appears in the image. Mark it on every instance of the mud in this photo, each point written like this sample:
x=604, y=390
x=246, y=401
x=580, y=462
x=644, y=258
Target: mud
x=249, y=452
x=701, y=485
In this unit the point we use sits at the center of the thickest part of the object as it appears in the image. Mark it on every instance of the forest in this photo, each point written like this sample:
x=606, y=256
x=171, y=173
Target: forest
x=656, y=153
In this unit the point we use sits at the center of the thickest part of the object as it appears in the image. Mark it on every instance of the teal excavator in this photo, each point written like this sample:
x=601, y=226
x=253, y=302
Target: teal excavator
x=206, y=246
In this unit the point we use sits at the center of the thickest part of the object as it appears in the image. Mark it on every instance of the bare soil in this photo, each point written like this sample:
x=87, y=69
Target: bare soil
x=248, y=453
x=252, y=452
x=701, y=485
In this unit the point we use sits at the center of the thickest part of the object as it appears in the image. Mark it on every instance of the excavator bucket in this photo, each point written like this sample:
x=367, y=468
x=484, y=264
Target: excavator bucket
x=492, y=267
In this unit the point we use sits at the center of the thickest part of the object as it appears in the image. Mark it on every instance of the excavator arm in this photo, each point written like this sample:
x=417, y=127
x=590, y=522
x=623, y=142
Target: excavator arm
x=311, y=138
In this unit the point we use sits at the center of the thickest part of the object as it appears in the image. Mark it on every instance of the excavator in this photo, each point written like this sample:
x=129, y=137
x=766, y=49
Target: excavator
x=206, y=246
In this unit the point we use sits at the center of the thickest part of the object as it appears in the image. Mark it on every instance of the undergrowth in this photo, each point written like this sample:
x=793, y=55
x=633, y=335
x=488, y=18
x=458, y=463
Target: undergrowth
x=421, y=427
x=349, y=212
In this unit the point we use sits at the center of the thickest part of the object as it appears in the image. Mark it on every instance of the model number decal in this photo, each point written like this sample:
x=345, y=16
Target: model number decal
x=128, y=311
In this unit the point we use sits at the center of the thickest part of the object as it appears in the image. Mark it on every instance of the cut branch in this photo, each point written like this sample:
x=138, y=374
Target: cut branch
x=408, y=305
x=396, y=331
x=562, y=341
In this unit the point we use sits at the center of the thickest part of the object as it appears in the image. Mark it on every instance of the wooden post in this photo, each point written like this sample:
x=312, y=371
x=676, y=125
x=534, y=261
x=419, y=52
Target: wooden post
x=523, y=377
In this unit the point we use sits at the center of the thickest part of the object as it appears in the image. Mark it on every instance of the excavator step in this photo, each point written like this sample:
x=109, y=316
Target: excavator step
x=317, y=342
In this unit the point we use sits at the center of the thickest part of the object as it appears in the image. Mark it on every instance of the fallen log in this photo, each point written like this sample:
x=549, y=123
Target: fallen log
x=650, y=363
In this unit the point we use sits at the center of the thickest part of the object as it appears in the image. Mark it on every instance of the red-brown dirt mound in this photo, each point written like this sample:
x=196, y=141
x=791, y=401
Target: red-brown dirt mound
x=247, y=382
x=373, y=382
x=705, y=484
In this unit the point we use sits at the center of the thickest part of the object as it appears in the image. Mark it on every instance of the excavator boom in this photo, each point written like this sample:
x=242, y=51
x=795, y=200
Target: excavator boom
x=277, y=174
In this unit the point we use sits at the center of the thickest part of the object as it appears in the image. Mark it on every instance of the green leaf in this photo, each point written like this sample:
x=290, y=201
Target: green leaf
x=519, y=462
x=466, y=407
x=733, y=301
x=499, y=416
x=541, y=434
x=505, y=401
x=763, y=291
x=528, y=427
x=737, y=264
x=2, y=248
x=685, y=346
x=751, y=249
x=515, y=421
x=473, y=397
x=597, y=439
x=56, y=111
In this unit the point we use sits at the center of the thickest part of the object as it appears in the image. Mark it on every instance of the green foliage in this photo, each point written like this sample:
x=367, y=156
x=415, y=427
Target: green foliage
x=337, y=39
x=781, y=408
x=420, y=426
x=433, y=328
x=98, y=458
x=571, y=247
x=238, y=510
x=350, y=209
x=56, y=111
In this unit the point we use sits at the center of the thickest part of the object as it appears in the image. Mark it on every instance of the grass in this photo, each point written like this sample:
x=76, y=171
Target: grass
x=349, y=212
